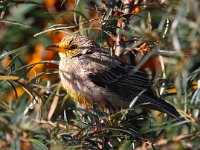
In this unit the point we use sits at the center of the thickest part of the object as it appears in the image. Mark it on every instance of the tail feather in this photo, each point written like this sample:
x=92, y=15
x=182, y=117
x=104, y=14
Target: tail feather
x=162, y=106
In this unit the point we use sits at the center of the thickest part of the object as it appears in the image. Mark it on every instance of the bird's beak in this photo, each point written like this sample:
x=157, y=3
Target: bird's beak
x=56, y=48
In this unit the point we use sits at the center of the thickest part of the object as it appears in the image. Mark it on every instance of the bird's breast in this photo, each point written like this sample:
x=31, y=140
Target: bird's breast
x=73, y=80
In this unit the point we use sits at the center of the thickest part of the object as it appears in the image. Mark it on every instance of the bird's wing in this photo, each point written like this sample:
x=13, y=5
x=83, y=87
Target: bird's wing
x=122, y=80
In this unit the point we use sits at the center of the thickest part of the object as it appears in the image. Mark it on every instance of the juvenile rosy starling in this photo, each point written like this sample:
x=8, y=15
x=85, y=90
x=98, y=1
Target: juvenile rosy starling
x=93, y=78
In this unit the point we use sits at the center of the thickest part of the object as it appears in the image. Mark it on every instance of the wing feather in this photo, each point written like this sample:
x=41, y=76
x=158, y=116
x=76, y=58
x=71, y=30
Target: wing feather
x=122, y=80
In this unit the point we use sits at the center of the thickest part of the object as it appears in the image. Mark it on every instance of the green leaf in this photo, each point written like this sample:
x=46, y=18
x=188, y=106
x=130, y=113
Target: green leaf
x=15, y=23
x=38, y=145
x=13, y=52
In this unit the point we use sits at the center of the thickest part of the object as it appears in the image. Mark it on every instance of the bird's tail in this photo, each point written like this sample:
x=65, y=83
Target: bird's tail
x=162, y=106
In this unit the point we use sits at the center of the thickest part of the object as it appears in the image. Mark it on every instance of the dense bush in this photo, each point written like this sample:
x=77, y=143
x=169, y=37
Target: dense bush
x=160, y=37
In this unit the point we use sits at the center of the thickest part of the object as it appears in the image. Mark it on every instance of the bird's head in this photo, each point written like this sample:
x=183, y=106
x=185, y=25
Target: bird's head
x=72, y=45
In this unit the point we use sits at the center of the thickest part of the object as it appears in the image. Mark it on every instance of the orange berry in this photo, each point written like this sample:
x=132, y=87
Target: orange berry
x=136, y=9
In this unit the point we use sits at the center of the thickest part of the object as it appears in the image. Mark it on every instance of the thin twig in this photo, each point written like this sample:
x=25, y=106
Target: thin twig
x=59, y=27
x=54, y=124
x=54, y=103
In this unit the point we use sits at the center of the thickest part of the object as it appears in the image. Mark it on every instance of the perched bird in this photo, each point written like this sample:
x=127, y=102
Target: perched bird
x=95, y=79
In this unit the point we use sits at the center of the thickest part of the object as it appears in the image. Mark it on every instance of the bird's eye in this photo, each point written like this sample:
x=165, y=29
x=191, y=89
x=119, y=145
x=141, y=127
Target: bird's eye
x=74, y=46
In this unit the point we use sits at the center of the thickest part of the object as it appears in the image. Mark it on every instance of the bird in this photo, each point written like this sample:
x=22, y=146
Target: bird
x=94, y=78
